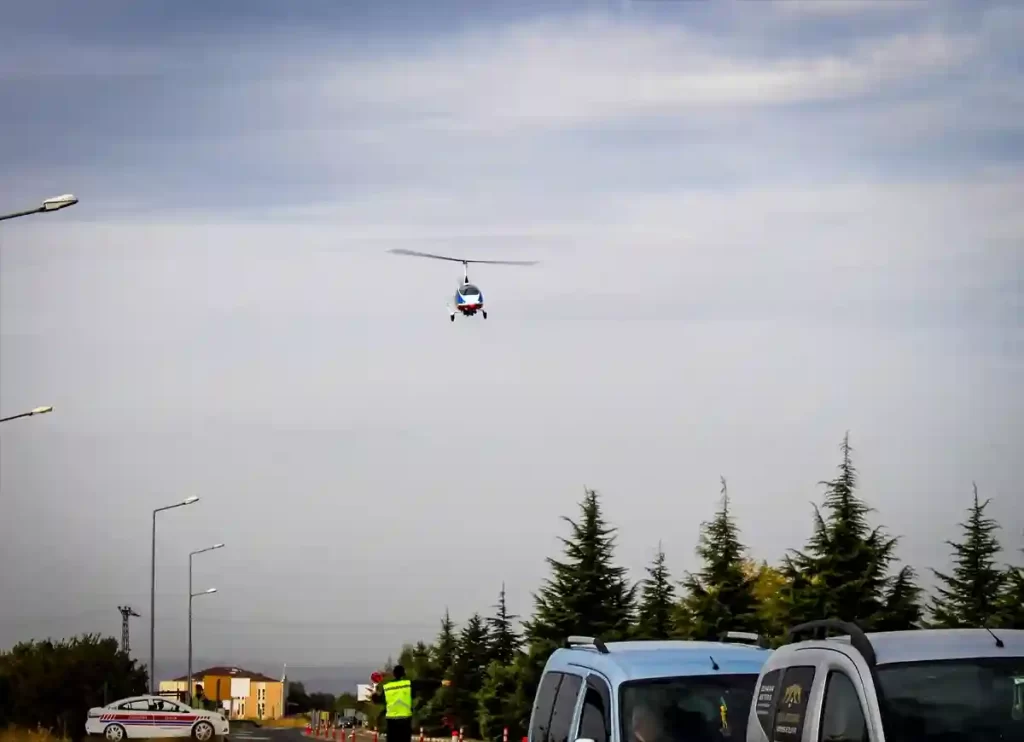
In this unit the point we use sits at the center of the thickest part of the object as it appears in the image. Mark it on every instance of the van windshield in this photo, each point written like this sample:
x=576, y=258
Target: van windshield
x=696, y=708
x=969, y=700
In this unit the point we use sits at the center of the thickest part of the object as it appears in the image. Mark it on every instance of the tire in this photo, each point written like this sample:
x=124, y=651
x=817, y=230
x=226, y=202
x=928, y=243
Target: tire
x=453, y=318
x=203, y=732
x=115, y=733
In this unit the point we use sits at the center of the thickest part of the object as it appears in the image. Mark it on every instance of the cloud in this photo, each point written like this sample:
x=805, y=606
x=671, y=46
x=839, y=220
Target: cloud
x=755, y=221
x=546, y=74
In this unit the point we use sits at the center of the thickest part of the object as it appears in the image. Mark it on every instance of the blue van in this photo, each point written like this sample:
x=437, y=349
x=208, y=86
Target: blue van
x=647, y=691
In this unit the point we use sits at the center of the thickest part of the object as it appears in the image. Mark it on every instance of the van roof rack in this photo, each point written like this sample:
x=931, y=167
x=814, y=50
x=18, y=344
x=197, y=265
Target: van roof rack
x=587, y=641
x=743, y=637
x=858, y=638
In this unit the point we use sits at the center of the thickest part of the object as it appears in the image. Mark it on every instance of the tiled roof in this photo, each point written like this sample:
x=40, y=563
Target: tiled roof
x=232, y=672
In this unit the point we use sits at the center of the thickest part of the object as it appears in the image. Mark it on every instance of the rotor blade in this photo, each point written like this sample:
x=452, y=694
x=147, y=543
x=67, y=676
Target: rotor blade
x=403, y=251
x=505, y=262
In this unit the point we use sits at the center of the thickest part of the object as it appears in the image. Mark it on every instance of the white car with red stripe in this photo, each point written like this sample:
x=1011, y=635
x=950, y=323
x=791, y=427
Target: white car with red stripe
x=148, y=717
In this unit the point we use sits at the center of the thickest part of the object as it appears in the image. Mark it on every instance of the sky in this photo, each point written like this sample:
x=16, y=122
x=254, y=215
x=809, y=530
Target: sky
x=759, y=225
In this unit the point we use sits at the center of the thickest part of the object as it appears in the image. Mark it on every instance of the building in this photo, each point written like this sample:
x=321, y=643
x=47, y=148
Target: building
x=242, y=694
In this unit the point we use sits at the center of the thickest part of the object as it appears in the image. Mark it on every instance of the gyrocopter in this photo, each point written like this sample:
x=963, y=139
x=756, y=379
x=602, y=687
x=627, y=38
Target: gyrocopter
x=468, y=298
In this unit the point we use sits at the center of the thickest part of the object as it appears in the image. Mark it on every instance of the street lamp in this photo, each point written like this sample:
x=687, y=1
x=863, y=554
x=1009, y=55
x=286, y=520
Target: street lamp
x=30, y=413
x=51, y=204
x=190, y=596
x=152, y=593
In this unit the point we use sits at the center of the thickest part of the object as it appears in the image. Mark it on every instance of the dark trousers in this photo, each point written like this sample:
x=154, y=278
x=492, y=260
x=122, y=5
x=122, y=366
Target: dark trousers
x=399, y=730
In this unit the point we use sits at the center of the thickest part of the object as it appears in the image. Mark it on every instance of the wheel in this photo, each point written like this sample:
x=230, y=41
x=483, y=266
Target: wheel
x=453, y=318
x=203, y=731
x=484, y=314
x=115, y=733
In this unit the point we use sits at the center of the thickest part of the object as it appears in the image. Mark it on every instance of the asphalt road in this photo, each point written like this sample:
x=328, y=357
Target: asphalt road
x=249, y=733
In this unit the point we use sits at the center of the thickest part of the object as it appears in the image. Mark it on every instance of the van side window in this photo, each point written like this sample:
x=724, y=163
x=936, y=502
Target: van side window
x=565, y=705
x=842, y=718
x=764, y=702
x=542, y=706
x=595, y=718
x=791, y=696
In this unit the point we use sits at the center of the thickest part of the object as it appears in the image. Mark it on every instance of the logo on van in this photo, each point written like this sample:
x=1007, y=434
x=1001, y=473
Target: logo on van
x=793, y=695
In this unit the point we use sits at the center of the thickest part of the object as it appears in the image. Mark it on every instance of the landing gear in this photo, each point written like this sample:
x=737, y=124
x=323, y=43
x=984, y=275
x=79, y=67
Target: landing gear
x=483, y=313
x=453, y=317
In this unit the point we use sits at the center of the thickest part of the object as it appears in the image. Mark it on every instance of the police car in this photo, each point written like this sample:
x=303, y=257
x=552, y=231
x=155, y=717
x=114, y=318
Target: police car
x=647, y=691
x=146, y=717
x=926, y=685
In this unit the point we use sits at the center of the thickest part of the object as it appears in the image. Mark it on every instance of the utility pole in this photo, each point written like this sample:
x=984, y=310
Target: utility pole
x=126, y=613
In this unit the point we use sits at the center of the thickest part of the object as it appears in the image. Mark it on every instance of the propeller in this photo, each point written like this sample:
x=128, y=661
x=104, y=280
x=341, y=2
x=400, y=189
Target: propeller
x=464, y=261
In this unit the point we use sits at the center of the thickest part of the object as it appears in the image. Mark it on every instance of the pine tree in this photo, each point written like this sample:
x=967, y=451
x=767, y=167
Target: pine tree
x=505, y=641
x=721, y=597
x=586, y=594
x=497, y=706
x=468, y=673
x=445, y=655
x=446, y=647
x=843, y=571
x=657, y=598
x=902, y=609
x=1013, y=613
x=973, y=594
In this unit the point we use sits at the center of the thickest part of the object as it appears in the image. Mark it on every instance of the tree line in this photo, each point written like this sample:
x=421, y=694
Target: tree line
x=847, y=569
x=54, y=684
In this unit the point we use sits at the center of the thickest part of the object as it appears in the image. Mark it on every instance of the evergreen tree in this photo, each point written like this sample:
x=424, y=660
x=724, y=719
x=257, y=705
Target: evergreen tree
x=586, y=594
x=902, y=603
x=497, y=706
x=721, y=597
x=505, y=641
x=973, y=594
x=843, y=571
x=1014, y=613
x=468, y=673
x=446, y=647
x=445, y=655
x=657, y=598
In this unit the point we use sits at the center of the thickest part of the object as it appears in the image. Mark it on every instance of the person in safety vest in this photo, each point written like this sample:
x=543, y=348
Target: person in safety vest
x=397, y=696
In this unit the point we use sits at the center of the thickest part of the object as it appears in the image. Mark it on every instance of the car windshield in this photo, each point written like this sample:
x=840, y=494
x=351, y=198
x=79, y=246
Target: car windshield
x=698, y=708
x=970, y=700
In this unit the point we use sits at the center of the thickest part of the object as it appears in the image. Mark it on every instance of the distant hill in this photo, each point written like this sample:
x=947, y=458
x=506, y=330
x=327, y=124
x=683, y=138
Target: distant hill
x=334, y=679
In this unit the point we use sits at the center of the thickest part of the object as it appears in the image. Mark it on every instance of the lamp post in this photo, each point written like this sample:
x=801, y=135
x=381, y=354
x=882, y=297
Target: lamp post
x=191, y=595
x=152, y=593
x=51, y=204
x=30, y=413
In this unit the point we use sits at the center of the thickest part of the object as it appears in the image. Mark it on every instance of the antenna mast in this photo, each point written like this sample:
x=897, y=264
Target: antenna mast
x=126, y=613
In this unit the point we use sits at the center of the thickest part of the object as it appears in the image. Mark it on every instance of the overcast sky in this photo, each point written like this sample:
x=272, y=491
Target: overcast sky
x=759, y=225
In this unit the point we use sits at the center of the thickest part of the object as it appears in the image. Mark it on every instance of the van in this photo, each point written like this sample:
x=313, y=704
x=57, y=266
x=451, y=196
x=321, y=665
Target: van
x=647, y=691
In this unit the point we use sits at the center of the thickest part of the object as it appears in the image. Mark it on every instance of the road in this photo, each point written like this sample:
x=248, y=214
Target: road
x=250, y=733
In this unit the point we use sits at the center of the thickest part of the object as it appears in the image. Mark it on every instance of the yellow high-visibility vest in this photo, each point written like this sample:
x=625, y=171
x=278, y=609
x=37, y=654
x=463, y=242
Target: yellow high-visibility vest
x=398, y=699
